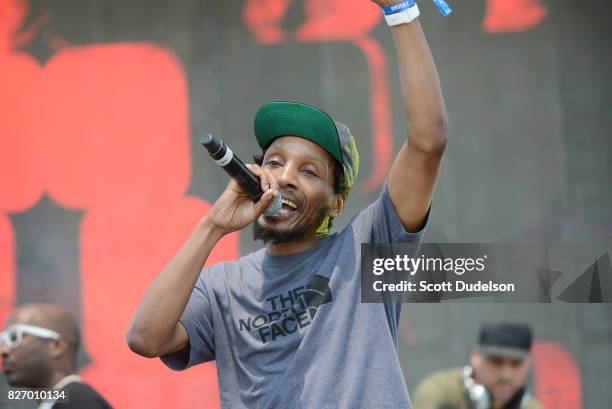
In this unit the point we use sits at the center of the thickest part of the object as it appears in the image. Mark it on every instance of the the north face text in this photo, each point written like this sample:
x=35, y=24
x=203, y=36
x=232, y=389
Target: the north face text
x=289, y=311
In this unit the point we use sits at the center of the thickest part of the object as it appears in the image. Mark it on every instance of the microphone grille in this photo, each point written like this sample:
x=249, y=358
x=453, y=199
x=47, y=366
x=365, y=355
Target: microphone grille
x=275, y=205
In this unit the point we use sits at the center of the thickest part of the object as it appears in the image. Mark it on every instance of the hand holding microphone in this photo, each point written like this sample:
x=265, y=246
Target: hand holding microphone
x=244, y=200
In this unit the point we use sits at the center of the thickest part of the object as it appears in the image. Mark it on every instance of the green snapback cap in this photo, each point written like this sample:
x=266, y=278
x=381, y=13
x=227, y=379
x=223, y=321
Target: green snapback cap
x=285, y=118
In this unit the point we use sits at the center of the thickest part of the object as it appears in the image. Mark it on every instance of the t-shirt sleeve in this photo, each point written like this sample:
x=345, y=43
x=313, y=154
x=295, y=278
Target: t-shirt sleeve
x=198, y=322
x=379, y=223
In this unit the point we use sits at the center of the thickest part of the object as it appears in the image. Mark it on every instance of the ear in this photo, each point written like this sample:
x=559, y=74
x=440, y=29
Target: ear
x=475, y=357
x=527, y=361
x=336, y=206
x=57, y=347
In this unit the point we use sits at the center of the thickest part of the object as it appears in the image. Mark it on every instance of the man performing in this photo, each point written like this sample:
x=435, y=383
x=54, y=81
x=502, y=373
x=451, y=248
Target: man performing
x=495, y=379
x=285, y=324
x=39, y=348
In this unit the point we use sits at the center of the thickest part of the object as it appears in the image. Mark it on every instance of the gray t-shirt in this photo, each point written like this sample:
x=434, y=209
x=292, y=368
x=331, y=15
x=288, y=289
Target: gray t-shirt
x=291, y=332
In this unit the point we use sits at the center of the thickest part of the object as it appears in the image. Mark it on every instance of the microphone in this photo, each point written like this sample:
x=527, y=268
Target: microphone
x=237, y=170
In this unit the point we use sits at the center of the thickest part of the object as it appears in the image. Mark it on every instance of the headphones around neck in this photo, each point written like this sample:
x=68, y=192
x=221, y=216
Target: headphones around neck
x=477, y=394
x=480, y=397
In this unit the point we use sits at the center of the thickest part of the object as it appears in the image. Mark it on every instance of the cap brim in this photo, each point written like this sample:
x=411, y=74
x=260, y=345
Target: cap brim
x=283, y=118
x=506, y=352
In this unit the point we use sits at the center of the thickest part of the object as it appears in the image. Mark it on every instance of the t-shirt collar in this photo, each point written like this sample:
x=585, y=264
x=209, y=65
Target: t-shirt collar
x=272, y=261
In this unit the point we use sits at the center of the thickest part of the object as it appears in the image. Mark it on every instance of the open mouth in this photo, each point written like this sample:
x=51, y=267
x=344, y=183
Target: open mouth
x=288, y=208
x=289, y=205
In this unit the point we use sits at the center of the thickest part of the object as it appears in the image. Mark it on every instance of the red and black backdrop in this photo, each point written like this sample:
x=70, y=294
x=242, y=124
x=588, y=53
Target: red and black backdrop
x=102, y=104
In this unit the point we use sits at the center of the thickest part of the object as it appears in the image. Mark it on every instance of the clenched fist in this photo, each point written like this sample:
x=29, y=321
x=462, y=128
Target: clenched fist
x=234, y=210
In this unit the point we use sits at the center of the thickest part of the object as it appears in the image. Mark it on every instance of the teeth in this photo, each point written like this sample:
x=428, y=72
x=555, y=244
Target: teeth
x=289, y=203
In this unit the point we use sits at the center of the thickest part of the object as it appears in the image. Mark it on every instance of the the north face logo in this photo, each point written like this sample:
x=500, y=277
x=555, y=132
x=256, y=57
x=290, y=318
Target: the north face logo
x=318, y=292
x=290, y=311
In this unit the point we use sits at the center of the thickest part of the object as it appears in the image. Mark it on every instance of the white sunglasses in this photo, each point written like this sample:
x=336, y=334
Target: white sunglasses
x=13, y=335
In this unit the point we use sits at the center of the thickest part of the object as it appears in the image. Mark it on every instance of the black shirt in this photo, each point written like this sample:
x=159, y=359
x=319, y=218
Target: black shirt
x=82, y=396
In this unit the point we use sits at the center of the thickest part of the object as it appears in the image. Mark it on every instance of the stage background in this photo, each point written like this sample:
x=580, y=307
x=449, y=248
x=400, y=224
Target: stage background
x=102, y=104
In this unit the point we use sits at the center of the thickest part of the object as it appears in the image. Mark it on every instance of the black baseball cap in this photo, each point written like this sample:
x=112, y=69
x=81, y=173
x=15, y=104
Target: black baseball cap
x=511, y=340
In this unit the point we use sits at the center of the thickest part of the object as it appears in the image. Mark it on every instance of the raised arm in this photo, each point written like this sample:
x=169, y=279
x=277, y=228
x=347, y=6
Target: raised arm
x=414, y=172
x=155, y=329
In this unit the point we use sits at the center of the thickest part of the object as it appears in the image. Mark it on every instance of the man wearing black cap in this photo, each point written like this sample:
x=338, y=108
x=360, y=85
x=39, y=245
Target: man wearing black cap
x=285, y=324
x=495, y=378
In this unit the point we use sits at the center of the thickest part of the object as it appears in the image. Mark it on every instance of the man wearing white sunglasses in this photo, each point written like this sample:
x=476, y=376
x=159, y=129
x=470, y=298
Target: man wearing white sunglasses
x=39, y=348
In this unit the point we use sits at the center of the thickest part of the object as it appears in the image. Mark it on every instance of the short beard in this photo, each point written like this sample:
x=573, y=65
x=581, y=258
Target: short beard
x=278, y=237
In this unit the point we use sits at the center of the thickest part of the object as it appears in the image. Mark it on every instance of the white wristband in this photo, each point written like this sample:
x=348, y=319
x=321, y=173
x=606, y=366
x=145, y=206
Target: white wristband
x=403, y=17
